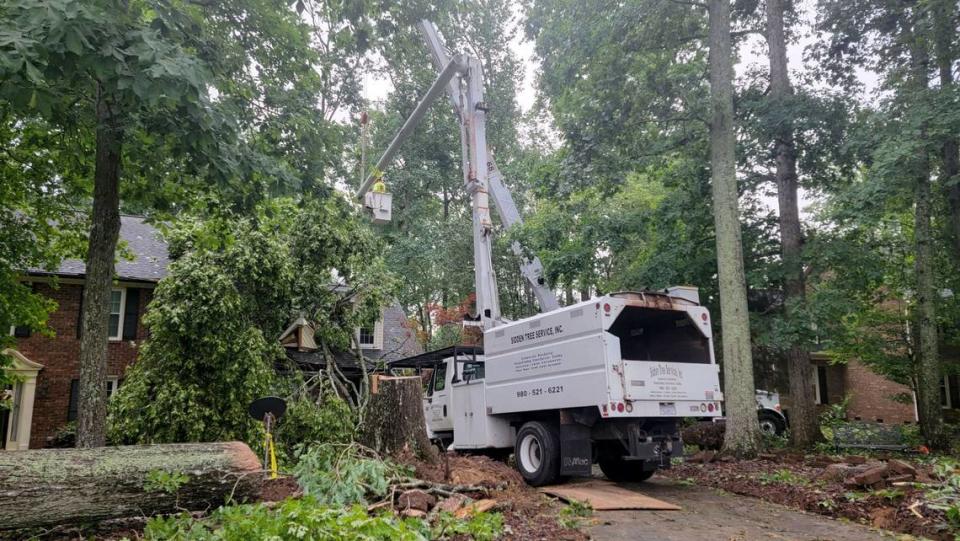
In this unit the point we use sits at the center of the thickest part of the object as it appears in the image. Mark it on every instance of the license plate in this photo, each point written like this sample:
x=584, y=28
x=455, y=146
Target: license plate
x=668, y=408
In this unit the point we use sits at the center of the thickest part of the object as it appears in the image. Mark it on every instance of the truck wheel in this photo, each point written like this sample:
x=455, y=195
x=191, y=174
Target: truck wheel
x=619, y=470
x=538, y=453
x=771, y=423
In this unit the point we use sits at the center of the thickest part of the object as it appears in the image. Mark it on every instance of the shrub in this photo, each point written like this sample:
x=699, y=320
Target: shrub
x=307, y=422
x=705, y=435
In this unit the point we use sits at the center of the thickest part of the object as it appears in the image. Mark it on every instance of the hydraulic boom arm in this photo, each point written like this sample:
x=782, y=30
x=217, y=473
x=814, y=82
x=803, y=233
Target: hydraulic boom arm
x=532, y=270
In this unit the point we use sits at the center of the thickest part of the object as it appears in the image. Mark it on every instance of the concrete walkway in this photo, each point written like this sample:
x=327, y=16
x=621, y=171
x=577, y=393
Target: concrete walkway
x=709, y=514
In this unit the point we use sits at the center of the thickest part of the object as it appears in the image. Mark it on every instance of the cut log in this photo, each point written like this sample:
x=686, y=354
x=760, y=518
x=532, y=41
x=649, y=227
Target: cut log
x=394, y=421
x=49, y=487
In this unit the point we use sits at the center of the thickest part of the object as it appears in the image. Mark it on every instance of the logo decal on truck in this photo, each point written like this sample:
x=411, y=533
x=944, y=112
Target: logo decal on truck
x=534, y=335
x=664, y=370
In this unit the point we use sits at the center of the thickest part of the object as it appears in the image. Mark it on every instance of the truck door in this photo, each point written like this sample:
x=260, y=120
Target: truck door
x=439, y=417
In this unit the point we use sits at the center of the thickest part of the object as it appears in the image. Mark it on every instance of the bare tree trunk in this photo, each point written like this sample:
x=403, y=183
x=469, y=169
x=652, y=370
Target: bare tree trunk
x=804, y=423
x=742, y=431
x=928, y=351
x=92, y=404
x=944, y=35
x=46, y=487
x=395, y=424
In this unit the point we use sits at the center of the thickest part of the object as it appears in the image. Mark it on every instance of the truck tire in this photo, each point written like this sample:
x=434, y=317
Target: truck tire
x=771, y=423
x=623, y=471
x=537, y=452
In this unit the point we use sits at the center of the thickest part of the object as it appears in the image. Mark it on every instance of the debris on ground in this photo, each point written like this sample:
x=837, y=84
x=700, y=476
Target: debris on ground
x=527, y=514
x=883, y=492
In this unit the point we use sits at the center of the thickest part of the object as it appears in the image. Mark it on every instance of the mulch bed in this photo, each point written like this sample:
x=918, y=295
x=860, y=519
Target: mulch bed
x=802, y=482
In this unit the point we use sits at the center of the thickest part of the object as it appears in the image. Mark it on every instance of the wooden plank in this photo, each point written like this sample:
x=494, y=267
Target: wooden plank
x=606, y=496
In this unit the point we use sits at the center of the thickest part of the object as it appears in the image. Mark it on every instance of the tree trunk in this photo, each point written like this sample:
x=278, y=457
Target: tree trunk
x=944, y=35
x=928, y=350
x=48, y=487
x=742, y=431
x=394, y=423
x=804, y=423
x=931, y=415
x=92, y=405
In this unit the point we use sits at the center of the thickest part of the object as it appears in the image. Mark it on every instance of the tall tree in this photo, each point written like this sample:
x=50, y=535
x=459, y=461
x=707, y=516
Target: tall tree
x=804, y=421
x=742, y=433
x=944, y=16
x=898, y=38
x=134, y=80
x=928, y=406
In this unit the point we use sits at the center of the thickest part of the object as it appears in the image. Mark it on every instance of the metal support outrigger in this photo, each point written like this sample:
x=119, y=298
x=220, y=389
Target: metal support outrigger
x=462, y=78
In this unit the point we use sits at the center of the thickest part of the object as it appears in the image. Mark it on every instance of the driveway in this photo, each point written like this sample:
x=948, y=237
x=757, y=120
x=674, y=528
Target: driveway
x=709, y=514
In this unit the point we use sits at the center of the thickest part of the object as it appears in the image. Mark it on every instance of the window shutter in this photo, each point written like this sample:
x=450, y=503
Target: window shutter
x=23, y=331
x=74, y=398
x=954, y=382
x=80, y=315
x=131, y=313
x=822, y=379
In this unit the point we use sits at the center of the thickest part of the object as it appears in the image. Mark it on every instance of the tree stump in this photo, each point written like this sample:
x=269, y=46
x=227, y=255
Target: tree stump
x=394, y=421
x=49, y=487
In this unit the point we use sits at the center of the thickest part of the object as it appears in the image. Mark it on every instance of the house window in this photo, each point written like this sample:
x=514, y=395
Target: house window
x=117, y=298
x=371, y=337
x=366, y=337
x=820, y=393
x=112, y=383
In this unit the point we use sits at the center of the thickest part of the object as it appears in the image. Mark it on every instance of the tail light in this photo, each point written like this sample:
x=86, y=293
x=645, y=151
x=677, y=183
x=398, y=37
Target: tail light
x=710, y=407
x=629, y=407
x=619, y=407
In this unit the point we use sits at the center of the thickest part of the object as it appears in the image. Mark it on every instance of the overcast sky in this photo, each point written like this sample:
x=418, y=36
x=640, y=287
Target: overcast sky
x=752, y=53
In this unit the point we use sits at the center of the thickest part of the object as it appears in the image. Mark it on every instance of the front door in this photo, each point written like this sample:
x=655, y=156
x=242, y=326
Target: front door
x=438, y=416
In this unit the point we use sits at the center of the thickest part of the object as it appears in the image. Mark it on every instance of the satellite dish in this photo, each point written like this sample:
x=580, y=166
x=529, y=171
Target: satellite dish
x=272, y=405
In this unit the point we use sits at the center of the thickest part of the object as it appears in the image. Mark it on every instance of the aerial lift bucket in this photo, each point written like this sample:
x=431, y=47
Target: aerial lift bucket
x=379, y=205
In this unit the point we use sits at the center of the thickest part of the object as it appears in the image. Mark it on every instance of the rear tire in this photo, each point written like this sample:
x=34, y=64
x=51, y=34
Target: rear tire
x=537, y=452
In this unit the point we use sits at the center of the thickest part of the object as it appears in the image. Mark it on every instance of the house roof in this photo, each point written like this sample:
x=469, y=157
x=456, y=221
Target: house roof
x=142, y=240
x=431, y=357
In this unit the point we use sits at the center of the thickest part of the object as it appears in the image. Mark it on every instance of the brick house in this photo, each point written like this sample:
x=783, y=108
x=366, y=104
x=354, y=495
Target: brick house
x=45, y=400
x=872, y=397
x=877, y=399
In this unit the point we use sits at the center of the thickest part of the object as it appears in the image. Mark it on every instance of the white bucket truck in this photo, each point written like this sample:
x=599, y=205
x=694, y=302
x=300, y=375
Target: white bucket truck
x=604, y=381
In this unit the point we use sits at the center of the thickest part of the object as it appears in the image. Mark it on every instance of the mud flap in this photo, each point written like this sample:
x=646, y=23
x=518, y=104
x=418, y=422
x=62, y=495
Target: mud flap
x=576, y=450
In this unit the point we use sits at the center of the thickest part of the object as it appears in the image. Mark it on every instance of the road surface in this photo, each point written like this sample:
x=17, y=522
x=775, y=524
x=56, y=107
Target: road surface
x=717, y=516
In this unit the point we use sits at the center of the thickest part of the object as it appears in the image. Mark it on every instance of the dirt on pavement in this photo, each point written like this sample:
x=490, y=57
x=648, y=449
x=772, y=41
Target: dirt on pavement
x=711, y=514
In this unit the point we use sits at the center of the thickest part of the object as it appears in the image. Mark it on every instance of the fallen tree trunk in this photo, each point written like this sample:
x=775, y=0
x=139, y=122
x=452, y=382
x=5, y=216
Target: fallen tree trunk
x=394, y=422
x=48, y=487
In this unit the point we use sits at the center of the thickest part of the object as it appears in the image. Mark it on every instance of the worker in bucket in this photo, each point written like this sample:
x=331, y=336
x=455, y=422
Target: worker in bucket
x=380, y=186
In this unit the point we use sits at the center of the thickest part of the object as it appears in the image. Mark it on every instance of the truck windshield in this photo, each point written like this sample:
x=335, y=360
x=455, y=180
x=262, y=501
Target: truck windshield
x=648, y=334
